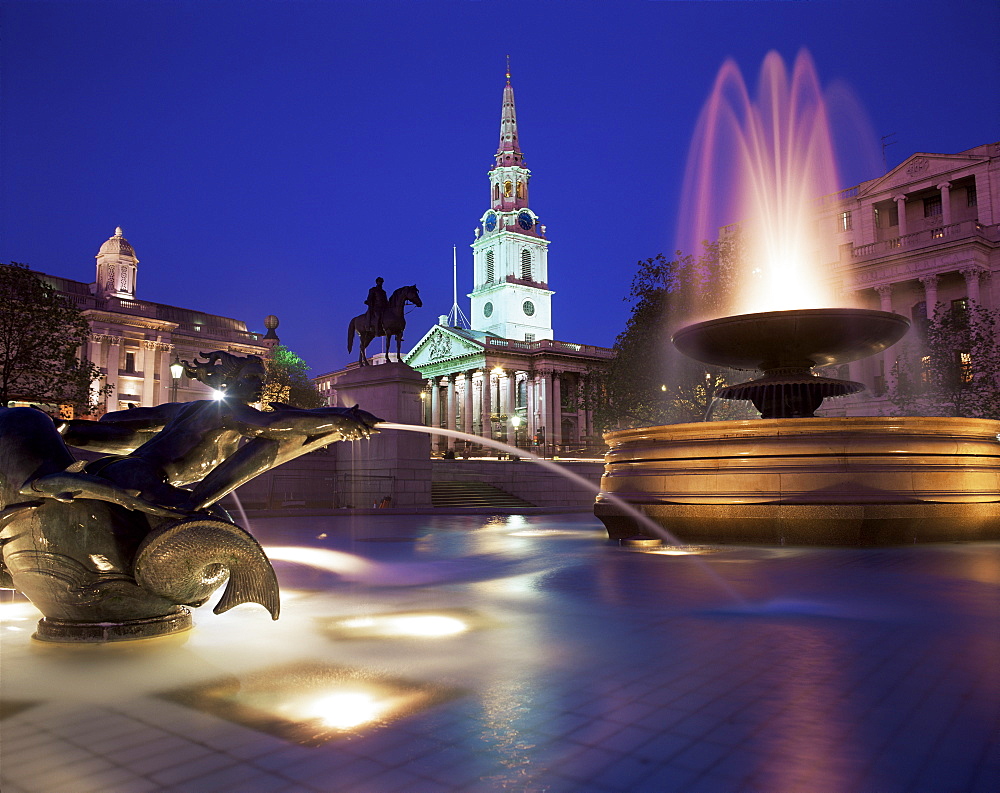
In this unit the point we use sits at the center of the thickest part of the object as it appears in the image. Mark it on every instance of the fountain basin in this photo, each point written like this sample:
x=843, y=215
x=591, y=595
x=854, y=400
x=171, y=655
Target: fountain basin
x=801, y=338
x=813, y=481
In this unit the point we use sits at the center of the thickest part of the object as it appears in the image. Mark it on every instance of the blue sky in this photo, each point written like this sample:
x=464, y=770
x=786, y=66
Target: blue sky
x=275, y=157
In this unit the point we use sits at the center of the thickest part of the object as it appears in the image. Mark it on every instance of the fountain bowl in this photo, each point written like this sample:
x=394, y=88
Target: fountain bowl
x=809, y=481
x=800, y=338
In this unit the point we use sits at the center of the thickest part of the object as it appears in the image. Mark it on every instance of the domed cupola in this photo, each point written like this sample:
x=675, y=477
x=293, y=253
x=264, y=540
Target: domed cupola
x=116, y=268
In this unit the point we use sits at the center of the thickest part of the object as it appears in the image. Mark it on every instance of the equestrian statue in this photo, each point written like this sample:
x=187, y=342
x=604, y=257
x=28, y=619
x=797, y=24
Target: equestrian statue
x=384, y=317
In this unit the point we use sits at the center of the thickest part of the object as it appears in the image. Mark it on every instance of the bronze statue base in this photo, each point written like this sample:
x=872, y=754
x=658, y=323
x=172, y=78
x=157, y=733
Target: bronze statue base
x=50, y=630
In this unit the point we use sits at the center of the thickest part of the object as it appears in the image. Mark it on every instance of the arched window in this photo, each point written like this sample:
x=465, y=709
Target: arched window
x=520, y=189
x=496, y=191
x=507, y=188
x=489, y=265
x=526, y=264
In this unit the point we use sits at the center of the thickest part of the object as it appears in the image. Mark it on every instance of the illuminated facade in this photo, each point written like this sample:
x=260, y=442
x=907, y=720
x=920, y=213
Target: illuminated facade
x=133, y=341
x=926, y=234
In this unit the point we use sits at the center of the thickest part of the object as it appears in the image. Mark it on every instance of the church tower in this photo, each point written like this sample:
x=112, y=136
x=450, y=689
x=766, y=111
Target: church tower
x=510, y=295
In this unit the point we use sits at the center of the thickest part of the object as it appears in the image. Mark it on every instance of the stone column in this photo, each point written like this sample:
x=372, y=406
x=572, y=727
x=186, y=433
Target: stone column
x=930, y=283
x=557, y=437
x=452, y=409
x=112, y=365
x=887, y=357
x=530, y=425
x=435, y=404
x=884, y=296
x=468, y=409
x=542, y=405
x=901, y=211
x=148, y=370
x=511, y=408
x=486, y=428
x=972, y=275
x=166, y=381
x=945, y=188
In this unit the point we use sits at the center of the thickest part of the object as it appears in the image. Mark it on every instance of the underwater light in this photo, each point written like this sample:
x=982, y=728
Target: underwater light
x=418, y=625
x=347, y=709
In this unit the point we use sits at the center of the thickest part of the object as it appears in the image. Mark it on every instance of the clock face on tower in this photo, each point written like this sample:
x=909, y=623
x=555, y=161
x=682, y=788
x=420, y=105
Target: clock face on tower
x=491, y=222
x=524, y=221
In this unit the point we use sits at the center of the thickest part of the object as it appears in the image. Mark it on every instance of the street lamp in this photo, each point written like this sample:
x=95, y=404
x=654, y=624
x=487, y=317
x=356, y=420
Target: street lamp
x=176, y=370
x=515, y=422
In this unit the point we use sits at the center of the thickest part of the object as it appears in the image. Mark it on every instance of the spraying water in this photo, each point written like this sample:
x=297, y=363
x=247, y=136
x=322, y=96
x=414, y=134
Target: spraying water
x=634, y=513
x=760, y=163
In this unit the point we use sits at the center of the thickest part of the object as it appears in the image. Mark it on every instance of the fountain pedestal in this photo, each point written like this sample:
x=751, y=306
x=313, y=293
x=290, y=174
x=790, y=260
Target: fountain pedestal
x=395, y=464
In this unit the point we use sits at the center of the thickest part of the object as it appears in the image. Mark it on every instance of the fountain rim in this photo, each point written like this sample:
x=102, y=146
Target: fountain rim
x=975, y=429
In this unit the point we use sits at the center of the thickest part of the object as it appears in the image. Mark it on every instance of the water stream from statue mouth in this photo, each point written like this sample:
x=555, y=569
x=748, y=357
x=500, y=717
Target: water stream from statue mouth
x=634, y=513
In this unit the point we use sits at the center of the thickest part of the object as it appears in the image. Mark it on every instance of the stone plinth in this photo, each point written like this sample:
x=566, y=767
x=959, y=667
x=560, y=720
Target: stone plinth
x=392, y=463
x=826, y=481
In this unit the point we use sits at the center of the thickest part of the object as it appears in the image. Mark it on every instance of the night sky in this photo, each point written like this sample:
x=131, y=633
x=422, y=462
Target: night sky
x=275, y=157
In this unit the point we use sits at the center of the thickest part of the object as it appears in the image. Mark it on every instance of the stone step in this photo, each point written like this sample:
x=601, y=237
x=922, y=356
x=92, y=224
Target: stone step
x=473, y=494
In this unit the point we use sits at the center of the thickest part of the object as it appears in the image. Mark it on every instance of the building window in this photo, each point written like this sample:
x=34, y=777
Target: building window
x=489, y=266
x=496, y=192
x=932, y=206
x=507, y=189
x=529, y=336
x=970, y=195
x=963, y=361
x=520, y=189
x=526, y=264
x=844, y=221
x=961, y=304
x=130, y=362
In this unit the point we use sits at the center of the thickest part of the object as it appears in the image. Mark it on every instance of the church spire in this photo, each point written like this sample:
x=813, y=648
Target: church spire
x=509, y=150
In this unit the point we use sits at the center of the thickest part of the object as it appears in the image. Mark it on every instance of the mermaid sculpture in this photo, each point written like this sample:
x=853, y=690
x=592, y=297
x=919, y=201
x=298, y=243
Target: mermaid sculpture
x=115, y=548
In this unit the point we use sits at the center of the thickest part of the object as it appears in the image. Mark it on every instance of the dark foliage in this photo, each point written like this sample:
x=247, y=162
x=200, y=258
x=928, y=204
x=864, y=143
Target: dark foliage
x=40, y=334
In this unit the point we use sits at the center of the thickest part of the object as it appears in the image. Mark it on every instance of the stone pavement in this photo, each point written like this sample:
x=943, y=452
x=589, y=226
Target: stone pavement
x=556, y=662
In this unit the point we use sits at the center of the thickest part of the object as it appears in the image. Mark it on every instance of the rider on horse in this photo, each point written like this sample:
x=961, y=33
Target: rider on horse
x=377, y=302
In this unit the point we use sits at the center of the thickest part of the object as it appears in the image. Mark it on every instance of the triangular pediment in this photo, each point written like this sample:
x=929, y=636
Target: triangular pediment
x=441, y=344
x=922, y=166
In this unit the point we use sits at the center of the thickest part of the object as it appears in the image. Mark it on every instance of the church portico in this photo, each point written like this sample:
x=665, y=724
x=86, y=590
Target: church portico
x=531, y=395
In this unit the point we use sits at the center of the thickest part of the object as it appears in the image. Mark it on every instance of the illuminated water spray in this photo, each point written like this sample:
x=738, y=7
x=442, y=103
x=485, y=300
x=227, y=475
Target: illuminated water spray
x=761, y=163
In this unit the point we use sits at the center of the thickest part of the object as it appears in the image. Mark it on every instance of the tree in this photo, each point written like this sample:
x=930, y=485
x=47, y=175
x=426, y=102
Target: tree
x=649, y=382
x=40, y=334
x=288, y=380
x=950, y=366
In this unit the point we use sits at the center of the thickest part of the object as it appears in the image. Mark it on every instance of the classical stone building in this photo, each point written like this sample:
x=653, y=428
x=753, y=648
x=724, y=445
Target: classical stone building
x=926, y=234
x=506, y=376
x=135, y=341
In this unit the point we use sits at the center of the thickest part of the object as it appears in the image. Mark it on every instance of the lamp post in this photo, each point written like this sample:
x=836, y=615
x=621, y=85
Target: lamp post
x=515, y=422
x=176, y=370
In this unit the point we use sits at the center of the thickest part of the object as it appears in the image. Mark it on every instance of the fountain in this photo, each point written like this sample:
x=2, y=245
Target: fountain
x=116, y=548
x=792, y=477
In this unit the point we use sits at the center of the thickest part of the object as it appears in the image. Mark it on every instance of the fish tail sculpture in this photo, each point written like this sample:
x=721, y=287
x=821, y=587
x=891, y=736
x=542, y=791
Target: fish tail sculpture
x=187, y=560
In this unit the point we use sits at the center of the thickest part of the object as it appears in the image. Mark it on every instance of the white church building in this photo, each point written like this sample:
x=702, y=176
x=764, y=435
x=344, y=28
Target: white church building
x=506, y=376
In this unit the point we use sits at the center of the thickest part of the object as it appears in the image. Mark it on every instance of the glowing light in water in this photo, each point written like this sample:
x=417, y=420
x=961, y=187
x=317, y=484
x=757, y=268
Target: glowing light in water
x=346, y=709
x=762, y=163
x=420, y=625
x=321, y=558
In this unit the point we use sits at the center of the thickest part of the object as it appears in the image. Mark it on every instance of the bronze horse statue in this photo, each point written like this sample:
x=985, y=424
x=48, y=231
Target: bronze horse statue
x=392, y=324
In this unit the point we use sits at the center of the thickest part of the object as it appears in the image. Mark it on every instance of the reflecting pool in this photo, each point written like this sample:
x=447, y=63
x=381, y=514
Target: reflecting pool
x=529, y=653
